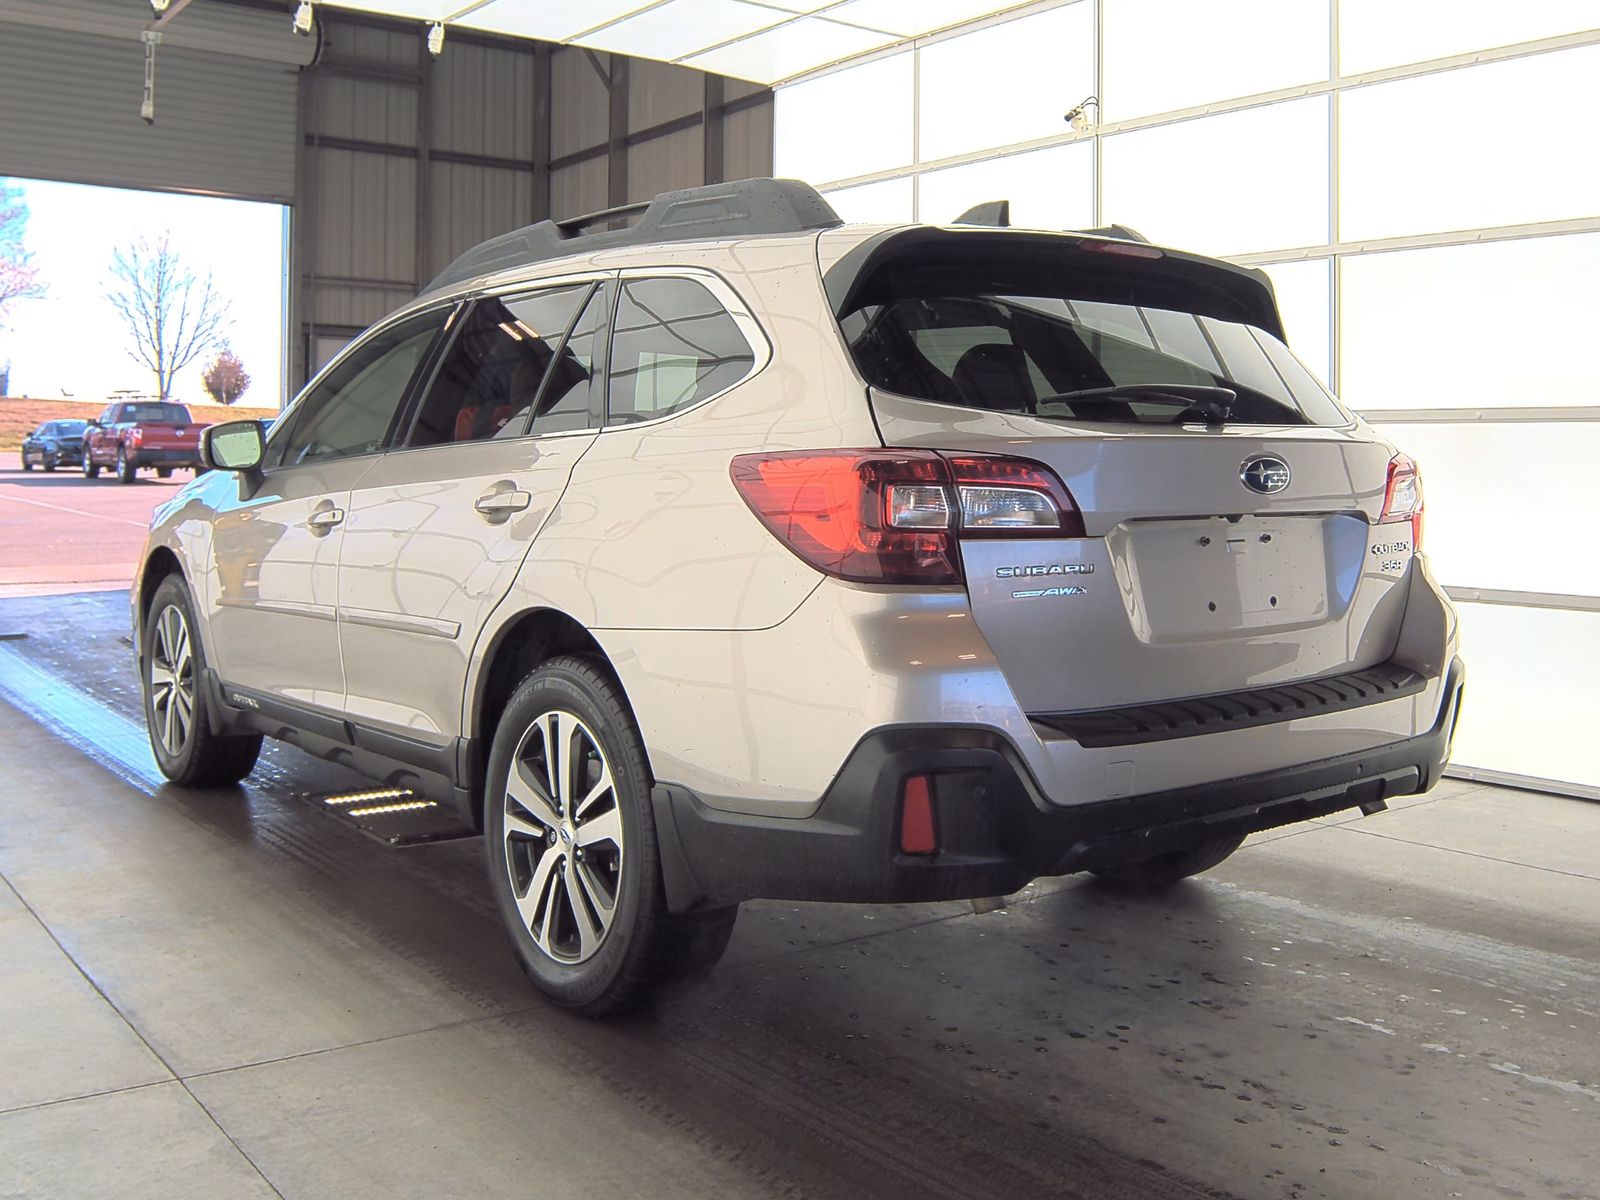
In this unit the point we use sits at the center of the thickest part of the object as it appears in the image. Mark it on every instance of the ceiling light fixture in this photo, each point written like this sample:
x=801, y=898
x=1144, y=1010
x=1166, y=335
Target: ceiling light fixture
x=302, y=18
x=160, y=6
x=436, y=38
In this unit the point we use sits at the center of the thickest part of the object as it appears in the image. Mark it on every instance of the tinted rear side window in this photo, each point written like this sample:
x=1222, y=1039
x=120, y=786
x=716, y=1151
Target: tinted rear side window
x=974, y=337
x=674, y=345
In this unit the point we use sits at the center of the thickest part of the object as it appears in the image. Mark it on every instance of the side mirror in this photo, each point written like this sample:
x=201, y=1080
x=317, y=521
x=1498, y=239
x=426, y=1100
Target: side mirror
x=232, y=446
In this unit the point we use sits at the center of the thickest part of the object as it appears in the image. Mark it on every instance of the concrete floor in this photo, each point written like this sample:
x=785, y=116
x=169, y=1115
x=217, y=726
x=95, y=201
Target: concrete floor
x=234, y=994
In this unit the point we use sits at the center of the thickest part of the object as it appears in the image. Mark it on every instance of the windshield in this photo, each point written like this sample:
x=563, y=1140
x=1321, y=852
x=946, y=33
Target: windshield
x=67, y=427
x=1083, y=360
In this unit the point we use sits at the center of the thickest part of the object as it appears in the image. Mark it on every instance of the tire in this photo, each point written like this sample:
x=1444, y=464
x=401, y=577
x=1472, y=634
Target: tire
x=90, y=469
x=47, y=464
x=170, y=667
x=127, y=472
x=577, y=875
x=26, y=465
x=163, y=472
x=1164, y=870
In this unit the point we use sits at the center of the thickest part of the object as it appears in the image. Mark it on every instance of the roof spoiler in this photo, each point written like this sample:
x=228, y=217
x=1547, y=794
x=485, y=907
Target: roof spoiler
x=1167, y=279
x=743, y=208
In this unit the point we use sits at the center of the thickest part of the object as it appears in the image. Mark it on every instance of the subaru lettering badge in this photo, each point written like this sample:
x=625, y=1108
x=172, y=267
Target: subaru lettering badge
x=1265, y=474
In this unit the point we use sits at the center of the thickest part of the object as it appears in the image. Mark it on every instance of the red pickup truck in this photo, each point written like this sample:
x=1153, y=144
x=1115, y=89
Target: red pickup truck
x=141, y=433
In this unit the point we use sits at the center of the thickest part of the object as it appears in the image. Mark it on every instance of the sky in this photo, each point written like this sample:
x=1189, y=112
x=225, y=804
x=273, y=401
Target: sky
x=73, y=343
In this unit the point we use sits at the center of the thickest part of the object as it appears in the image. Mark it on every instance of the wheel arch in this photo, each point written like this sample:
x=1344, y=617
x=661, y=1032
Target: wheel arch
x=158, y=564
x=518, y=648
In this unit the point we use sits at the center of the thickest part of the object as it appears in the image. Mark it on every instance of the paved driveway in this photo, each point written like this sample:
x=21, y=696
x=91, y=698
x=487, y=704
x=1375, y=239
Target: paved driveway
x=60, y=532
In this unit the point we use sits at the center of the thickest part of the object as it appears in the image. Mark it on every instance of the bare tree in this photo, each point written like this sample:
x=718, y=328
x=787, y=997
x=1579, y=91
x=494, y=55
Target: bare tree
x=173, y=314
x=19, y=278
x=225, y=377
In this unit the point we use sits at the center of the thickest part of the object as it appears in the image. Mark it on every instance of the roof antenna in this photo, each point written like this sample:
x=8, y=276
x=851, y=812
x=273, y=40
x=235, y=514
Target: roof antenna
x=990, y=212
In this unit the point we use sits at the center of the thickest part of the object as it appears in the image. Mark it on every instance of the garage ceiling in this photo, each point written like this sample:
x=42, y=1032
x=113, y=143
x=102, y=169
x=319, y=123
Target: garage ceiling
x=764, y=41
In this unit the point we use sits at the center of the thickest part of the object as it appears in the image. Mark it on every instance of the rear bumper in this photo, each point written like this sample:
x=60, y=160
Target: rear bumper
x=150, y=457
x=995, y=830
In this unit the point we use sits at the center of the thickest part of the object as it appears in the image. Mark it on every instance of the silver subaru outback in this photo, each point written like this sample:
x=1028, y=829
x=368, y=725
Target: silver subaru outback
x=743, y=553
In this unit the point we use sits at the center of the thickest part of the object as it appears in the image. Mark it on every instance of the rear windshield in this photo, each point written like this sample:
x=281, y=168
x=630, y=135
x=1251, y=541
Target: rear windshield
x=1056, y=355
x=156, y=414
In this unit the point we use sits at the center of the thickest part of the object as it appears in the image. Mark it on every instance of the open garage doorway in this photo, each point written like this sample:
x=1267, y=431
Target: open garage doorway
x=69, y=341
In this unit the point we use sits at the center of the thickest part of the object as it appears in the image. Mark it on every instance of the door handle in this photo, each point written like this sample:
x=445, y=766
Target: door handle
x=502, y=504
x=324, y=519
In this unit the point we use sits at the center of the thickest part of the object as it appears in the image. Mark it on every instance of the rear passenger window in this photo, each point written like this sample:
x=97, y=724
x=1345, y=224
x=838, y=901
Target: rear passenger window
x=491, y=377
x=674, y=345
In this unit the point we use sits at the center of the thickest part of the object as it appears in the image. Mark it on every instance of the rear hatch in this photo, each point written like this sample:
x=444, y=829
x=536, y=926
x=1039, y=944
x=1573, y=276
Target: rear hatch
x=1232, y=532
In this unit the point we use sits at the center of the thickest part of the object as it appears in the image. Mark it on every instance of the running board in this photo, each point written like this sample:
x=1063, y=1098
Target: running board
x=397, y=817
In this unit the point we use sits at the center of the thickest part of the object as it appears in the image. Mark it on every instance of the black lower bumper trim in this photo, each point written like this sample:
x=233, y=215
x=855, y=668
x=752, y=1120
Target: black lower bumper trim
x=1223, y=711
x=996, y=832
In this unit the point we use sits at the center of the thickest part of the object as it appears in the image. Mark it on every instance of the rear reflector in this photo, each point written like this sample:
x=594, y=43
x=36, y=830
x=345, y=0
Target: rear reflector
x=916, y=817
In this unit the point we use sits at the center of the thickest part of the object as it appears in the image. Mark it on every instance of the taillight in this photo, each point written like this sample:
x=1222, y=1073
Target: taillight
x=894, y=516
x=136, y=435
x=1402, y=497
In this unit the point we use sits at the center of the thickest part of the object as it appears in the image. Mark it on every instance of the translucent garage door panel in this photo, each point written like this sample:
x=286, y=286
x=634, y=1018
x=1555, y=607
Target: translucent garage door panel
x=1496, y=325
x=1509, y=506
x=1246, y=181
x=850, y=123
x=1005, y=84
x=1207, y=51
x=886, y=203
x=1305, y=300
x=1482, y=146
x=1389, y=33
x=1529, y=706
x=1048, y=189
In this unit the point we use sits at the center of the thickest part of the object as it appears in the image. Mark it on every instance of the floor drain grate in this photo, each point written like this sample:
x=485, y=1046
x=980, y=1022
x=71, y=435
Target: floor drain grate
x=396, y=816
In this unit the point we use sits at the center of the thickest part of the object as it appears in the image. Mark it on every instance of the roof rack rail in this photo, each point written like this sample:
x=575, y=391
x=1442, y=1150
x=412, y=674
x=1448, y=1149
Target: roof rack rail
x=742, y=208
x=1115, y=231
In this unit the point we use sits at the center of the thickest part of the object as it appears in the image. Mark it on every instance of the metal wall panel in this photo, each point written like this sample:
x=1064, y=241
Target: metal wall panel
x=375, y=47
x=223, y=124
x=363, y=212
x=370, y=110
x=580, y=105
x=660, y=92
x=665, y=163
x=481, y=102
x=579, y=189
x=468, y=203
x=747, y=142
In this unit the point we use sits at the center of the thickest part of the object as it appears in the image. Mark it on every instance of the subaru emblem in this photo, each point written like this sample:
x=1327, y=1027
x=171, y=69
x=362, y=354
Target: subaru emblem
x=1265, y=474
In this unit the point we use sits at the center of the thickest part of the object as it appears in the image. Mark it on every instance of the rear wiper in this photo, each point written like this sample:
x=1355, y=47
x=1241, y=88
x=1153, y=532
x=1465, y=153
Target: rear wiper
x=1213, y=405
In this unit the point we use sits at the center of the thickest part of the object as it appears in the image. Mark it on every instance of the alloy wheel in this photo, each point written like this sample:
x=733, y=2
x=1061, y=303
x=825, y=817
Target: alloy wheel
x=172, y=681
x=563, y=837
